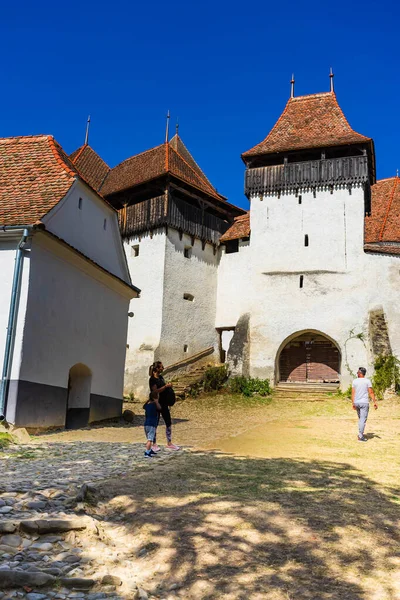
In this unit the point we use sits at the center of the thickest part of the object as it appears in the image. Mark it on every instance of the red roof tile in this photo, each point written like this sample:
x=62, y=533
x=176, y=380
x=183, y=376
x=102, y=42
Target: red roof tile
x=312, y=121
x=90, y=165
x=35, y=174
x=172, y=158
x=239, y=229
x=384, y=223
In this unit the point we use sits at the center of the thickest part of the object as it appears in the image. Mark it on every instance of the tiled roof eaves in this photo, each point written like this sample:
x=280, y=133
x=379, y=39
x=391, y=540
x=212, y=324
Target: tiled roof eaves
x=384, y=249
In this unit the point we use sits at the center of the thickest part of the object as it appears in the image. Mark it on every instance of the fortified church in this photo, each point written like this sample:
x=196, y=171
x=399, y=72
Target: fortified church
x=303, y=287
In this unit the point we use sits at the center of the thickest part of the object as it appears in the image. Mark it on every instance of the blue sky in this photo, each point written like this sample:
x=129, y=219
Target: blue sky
x=223, y=68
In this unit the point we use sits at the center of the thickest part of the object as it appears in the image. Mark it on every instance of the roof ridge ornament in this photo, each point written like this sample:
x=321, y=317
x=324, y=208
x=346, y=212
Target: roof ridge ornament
x=87, y=131
x=167, y=128
x=292, y=86
x=177, y=126
x=331, y=76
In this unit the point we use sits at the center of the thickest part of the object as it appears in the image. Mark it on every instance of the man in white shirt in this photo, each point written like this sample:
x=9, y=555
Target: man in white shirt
x=361, y=391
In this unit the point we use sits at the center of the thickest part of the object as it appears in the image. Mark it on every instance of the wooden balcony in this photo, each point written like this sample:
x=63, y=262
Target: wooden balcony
x=168, y=211
x=313, y=174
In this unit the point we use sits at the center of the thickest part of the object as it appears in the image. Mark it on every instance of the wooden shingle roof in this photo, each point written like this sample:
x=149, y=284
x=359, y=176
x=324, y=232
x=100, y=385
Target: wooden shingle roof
x=35, y=174
x=313, y=121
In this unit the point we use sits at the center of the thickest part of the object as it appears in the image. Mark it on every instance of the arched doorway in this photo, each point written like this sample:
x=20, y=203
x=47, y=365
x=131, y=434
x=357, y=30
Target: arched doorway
x=78, y=402
x=309, y=357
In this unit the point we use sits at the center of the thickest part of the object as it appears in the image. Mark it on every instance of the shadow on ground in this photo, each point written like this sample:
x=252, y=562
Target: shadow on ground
x=233, y=527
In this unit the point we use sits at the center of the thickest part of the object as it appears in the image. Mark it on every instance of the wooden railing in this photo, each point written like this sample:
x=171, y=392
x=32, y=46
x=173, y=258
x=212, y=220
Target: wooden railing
x=349, y=170
x=173, y=212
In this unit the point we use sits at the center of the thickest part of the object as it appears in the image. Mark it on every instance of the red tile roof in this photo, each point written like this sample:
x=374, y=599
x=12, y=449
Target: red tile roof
x=172, y=158
x=239, y=229
x=90, y=165
x=35, y=174
x=384, y=223
x=312, y=121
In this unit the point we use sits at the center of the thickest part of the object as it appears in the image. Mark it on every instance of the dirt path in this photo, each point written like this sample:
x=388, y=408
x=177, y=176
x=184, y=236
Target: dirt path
x=288, y=506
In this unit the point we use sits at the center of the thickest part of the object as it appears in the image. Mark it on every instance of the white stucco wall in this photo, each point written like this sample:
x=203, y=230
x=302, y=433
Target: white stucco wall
x=75, y=314
x=144, y=332
x=341, y=283
x=186, y=322
x=83, y=228
x=234, y=291
x=8, y=245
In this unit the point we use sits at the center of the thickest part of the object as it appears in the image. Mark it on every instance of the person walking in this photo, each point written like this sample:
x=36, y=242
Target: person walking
x=157, y=384
x=361, y=391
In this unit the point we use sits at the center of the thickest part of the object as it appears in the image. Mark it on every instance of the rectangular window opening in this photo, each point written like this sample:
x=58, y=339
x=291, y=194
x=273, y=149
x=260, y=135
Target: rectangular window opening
x=306, y=240
x=299, y=199
x=185, y=348
x=231, y=246
x=187, y=252
x=301, y=281
x=135, y=251
x=189, y=297
x=80, y=201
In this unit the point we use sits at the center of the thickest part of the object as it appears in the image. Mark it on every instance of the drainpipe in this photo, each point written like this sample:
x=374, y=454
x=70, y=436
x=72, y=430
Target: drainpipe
x=12, y=316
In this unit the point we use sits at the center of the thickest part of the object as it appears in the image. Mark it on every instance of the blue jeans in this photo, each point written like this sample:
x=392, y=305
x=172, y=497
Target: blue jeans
x=362, y=412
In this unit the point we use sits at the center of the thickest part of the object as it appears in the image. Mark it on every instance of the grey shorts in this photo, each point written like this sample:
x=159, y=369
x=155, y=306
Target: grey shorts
x=150, y=432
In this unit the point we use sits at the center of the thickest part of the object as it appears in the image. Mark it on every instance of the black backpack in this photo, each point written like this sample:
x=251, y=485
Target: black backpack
x=169, y=397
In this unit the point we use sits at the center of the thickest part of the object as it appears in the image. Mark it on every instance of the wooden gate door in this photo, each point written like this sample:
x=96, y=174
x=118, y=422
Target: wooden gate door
x=323, y=362
x=313, y=361
x=292, y=363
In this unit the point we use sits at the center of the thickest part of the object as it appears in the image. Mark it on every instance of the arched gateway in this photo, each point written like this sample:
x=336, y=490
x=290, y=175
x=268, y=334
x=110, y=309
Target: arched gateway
x=309, y=357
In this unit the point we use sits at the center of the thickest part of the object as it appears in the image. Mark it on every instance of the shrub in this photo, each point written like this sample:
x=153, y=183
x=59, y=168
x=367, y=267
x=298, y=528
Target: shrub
x=387, y=375
x=346, y=395
x=215, y=378
x=249, y=386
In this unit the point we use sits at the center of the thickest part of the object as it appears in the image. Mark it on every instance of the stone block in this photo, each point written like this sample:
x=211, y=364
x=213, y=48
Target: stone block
x=42, y=526
x=12, y=579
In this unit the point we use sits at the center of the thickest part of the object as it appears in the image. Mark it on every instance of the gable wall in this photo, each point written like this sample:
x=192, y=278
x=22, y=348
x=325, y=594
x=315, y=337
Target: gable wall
x=83, y=228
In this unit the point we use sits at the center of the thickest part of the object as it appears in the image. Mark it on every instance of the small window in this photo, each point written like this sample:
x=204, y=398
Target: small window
x=231, y=246
x=185, y=348
x=105, y=224
x=189, y=297
x=135, y=251
x=187, y=252
x=306, y=240
x=80, y=203
x=301, y=281
x=300, y=199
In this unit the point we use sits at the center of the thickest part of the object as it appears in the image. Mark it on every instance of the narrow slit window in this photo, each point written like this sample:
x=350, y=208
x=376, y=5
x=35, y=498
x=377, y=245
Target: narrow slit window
x=187, y=252
x=185, y=348
x=135, y=251
x=306, y=240
x=80, y=202
x=301, y=281
x=189, y=297
x=105, y=224
x=300, y=199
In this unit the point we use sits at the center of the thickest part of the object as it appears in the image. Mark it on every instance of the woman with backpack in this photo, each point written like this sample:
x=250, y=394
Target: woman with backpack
x=166, y=399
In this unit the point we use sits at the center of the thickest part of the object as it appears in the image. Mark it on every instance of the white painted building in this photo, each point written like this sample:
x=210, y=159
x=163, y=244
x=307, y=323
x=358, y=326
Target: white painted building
x=65, y=293
x=302, y=288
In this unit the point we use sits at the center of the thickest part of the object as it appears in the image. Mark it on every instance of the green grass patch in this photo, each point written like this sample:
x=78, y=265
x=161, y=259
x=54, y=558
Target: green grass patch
x=5, y=440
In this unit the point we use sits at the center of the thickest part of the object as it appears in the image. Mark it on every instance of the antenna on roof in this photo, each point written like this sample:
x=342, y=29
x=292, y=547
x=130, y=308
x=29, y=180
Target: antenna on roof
x=87, y=131
x=292, y=86
x=177, y=126
x=331, y=76
x=167, y=128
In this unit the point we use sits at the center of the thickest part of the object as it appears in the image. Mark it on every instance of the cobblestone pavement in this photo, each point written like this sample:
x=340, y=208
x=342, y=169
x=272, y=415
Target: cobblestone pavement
x=43, y=482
